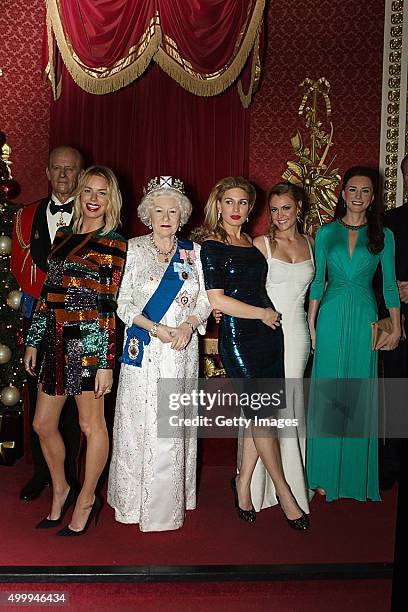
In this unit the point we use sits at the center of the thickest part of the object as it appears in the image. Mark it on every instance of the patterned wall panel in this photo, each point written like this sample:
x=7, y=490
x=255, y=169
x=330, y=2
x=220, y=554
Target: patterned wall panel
x=342, y=41
x=394, y=100
x=24, y=97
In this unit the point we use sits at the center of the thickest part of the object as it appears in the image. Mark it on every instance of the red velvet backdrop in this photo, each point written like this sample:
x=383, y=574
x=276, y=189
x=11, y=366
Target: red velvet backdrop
x=24, y=97
x=341, y=41
x=154, y=127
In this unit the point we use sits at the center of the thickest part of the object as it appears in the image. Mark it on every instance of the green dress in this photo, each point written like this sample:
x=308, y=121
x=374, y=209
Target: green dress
x=343, y=395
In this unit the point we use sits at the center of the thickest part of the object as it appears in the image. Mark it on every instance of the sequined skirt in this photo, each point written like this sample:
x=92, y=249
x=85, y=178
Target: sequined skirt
x=70, y=360
x=250, y=349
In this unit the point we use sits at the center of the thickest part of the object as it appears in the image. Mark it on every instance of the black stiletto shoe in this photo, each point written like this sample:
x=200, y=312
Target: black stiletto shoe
x=246, y=515
x=301, y=524
x=94, y=514
x=47, y=523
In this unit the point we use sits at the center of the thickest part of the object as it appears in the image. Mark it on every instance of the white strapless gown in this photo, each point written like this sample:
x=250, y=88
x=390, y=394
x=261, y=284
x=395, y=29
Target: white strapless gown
x=286, y=286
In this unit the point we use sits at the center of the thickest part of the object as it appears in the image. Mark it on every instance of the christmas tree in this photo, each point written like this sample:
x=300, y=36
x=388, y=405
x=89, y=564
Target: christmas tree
x=12, y=375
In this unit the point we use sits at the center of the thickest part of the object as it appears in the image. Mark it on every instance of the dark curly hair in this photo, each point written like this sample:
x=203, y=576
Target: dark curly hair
x=375, y=227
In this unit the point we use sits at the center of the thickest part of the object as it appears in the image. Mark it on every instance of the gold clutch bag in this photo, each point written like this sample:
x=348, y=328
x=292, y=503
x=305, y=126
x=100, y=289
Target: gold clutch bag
x=381, y=329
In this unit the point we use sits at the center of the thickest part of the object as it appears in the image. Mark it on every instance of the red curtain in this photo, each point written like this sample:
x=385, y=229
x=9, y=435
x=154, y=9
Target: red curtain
x=102, y=32
x=154, y=127
x=107, y=44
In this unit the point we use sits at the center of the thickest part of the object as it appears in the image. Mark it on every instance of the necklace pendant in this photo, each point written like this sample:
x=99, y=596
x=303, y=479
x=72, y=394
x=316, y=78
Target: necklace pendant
x=166, y=260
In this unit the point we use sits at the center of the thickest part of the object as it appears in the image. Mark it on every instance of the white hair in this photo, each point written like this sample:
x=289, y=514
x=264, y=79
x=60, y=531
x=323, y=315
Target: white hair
x=149, y=200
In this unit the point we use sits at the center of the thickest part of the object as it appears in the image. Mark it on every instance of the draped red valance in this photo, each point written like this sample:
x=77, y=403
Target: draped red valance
x=203, y=44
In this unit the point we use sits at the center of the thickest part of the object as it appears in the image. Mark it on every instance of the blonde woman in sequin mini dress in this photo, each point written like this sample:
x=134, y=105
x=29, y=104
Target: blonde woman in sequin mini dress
x=75, y=324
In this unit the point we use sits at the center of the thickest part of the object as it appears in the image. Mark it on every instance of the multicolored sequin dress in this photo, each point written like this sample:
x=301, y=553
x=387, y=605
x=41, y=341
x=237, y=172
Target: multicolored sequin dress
x=75, y=316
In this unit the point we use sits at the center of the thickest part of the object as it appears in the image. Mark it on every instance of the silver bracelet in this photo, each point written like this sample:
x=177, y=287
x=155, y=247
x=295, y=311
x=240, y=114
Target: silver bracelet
x=153, y=330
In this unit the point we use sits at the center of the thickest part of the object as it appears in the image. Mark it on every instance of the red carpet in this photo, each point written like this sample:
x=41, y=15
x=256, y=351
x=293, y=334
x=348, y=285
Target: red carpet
x=344, y=531
x=315, y=596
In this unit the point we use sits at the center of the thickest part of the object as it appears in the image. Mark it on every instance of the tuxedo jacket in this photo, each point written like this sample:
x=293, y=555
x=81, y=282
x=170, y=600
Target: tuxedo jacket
x=396, y=220
x=31, y=246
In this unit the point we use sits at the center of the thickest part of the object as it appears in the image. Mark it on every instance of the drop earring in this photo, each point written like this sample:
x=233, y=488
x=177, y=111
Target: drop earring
x=219, y=215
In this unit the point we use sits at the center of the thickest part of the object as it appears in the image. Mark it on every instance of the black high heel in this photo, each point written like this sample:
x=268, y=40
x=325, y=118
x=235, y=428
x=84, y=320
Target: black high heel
x=301, y=524
x=47, y=523
x=246, y=515
x=94, y=514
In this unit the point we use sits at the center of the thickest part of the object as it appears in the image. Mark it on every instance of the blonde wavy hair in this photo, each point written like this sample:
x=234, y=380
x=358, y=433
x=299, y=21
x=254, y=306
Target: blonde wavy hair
x=112, y=215
x=212, y=224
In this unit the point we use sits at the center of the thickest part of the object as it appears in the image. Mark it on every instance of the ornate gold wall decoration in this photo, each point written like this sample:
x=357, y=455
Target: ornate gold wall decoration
x=394, y=100
x=312, y=170
x=210, y=355
x=5, y=154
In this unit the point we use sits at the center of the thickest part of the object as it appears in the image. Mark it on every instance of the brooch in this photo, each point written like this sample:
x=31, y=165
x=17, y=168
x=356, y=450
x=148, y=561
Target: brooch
x=184, y=299
x=133, y=349
x=188, y=256
x=183, y=269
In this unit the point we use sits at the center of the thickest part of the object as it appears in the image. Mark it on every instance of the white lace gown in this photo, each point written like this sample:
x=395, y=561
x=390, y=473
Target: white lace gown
x=152, y=480
x=286, y=286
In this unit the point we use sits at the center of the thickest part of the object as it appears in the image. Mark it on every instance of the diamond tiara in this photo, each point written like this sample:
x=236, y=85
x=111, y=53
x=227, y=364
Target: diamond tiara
x=164, y=182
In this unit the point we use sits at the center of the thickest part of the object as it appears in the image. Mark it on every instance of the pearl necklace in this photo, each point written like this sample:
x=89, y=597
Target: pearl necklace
x=159, y=252
x=353, y=228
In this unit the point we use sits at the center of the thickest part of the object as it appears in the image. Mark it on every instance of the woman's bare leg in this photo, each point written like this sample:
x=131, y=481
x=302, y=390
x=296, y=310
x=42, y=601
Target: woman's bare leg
x=267, y=445
x=45, y=423
x=243, y=480
x=92, y=423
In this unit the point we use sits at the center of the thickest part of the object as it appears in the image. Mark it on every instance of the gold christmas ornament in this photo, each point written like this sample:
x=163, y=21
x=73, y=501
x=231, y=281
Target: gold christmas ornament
x=10, y=395
x=13, y=299
x=5, y=245
x=5, y=354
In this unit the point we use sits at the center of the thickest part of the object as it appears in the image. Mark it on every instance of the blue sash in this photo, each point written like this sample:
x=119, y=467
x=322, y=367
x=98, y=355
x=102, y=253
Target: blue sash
x=172, y=281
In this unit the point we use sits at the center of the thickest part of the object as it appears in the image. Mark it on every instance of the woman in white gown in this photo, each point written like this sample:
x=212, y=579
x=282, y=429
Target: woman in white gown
x=290, y=271
x=162, y=301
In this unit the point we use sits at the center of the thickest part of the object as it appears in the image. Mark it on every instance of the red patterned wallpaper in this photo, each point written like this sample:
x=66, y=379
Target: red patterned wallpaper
x=24, y=97
x=341, y=41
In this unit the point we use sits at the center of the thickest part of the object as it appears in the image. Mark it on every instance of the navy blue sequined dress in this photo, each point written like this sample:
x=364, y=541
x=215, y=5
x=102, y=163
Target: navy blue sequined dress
x=248, y=348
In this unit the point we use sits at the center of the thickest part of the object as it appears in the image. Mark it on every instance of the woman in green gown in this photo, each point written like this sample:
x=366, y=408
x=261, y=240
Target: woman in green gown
x=342, y=447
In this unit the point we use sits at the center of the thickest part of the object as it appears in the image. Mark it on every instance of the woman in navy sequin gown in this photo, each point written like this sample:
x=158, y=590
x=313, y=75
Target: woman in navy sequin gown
x=250, y=338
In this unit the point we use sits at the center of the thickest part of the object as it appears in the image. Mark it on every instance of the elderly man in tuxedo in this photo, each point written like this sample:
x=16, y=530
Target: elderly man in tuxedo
x=34, y=231
x=396, y=361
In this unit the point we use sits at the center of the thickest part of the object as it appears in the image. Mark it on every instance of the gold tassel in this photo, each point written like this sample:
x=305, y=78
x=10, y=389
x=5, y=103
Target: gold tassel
x=115, y=78
x=106, y=80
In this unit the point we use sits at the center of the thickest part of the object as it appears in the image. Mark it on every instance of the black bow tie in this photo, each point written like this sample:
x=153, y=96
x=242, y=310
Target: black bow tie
x=60, y=208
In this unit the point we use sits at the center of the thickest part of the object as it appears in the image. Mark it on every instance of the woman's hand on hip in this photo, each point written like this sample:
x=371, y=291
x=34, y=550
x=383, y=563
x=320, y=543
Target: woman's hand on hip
x=103, y=383
x=217, y=314
x=271, y=318
x=30, y=360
